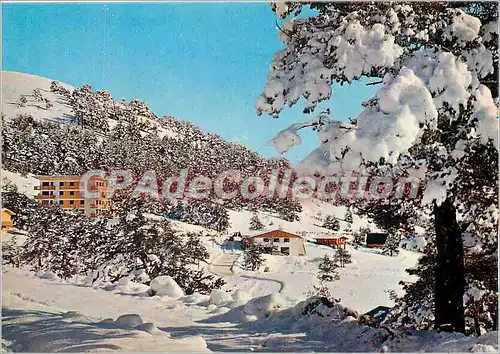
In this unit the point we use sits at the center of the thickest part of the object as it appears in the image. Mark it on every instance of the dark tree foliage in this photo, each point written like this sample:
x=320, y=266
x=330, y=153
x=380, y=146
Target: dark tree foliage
x=253, y=256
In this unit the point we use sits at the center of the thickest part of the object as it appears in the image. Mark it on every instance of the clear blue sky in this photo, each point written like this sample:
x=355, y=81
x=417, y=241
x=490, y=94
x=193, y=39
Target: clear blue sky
x=206, y=63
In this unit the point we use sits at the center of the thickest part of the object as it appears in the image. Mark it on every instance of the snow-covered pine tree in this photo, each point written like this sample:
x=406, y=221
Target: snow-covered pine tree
x=11, y=252
x=255, y=223
x=348, y=217
x=342, y=257
x=23, y=101
x=222, y=218
x=19, y=203
x=391, y=246
x=195, y=249
x=359, y=237
x=328, y=269
x=331, y=223
x=253, y=256
x=434, y=115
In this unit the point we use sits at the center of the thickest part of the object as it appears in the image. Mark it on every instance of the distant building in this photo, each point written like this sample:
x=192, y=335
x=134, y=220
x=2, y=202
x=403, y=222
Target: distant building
x=278, y=241
x=67, y=192
x=7, y=219
x=335, y=241
x=376, y=239
x=380, y=313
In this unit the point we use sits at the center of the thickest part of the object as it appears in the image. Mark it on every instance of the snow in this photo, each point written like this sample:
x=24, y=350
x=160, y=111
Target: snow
x=165, y=285
x=16, y=84
x=129, y=320
x=219, y=297
x=415, y=243
x=309, y=223
x=44, y=315
x=25, y=185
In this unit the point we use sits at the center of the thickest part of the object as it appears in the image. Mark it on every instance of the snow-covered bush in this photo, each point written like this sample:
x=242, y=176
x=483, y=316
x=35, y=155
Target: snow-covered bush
x=129, y=320
x=165, y=285
x=220, y=297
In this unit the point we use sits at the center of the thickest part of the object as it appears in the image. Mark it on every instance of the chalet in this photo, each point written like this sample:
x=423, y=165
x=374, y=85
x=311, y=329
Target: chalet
x=7, y=219
x=376, y=239
x=335, y=241
x=278, y=241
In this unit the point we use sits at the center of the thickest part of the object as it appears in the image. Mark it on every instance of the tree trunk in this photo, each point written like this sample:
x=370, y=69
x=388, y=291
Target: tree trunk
x=450, y=277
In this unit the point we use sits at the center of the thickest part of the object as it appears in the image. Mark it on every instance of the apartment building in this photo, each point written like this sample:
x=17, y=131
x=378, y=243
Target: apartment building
x=68, y=193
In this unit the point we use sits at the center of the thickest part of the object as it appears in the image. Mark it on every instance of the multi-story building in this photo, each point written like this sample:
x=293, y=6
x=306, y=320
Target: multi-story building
x=68, y=193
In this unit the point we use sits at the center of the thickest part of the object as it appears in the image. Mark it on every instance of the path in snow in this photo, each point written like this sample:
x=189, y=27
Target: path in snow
x=223, y=266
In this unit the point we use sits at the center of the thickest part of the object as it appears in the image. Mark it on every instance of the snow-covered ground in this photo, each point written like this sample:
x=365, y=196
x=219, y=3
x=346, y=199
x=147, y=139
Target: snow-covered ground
x=44, y=315
x=261, y=311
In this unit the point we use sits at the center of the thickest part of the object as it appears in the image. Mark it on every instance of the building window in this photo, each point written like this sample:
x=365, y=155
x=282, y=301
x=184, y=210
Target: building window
x=285, y=250
x=286, y=240
x=71, y=193
x=72, y=183
x=276, y=240
x=61, y=193
x=82, y=202
x=45, y=202
x=60, y=202
x=45, y=183
x=71, y=202
x=266, y=239
x=61, y=184
x=45, y=193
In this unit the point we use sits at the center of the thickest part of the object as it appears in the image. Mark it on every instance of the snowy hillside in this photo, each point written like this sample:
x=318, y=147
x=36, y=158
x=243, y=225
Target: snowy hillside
x=15, y=85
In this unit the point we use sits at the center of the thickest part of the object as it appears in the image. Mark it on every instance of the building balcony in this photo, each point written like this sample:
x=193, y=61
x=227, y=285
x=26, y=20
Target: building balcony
x=98, y=206
x=43, y=197
x=70, y=188
x=45, y=188
x=97, y=188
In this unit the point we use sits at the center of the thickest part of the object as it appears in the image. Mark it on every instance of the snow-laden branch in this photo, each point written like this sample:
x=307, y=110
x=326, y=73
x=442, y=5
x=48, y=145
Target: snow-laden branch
x=289, y=137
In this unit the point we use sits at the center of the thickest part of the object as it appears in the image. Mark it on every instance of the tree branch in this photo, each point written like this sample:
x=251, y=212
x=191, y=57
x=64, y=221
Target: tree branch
x=375, y=83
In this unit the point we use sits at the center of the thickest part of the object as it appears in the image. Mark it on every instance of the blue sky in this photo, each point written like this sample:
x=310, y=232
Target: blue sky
x=206, y=63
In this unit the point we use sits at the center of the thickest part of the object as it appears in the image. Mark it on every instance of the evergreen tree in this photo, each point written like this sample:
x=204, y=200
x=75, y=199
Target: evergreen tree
x=331, y=223
x=328, y=269
x=253, y=256
x=23, y=101
x=342, y=257
x=455, y=135
x=11, y=252
x=360, y=237
x=391, y=246
x=255, y=223
x=348, y=216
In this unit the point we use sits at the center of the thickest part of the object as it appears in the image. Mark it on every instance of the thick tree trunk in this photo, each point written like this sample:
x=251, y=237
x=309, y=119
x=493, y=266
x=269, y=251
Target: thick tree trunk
x=450, y=276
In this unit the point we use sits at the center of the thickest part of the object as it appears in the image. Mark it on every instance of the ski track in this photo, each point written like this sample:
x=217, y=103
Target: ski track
x=223, y=265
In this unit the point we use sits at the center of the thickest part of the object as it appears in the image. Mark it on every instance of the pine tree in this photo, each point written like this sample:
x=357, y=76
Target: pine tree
x=23, y=101
x=342, y=257
x=456, y=134
x=360, y=237
x=255, y=223
x=348, y=216
x=331, y=223
x=253, y=256
x=328, y=269
x=391, y=246
x=11, y=252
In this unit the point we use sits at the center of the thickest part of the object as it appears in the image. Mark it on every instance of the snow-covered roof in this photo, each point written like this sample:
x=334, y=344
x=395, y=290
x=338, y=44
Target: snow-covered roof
x=329, y=237
x=270, y=233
